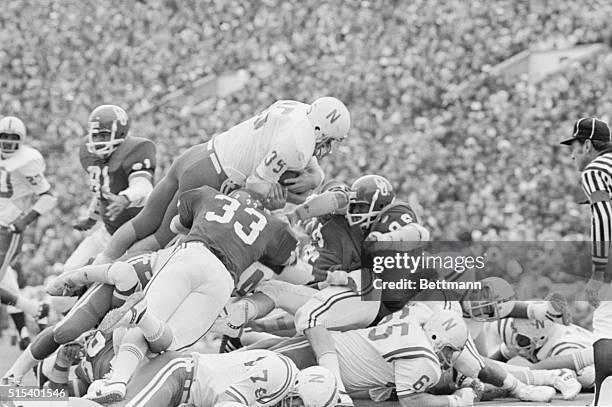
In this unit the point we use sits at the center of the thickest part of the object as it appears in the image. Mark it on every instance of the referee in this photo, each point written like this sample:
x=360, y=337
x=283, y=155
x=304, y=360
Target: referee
x=591, y=144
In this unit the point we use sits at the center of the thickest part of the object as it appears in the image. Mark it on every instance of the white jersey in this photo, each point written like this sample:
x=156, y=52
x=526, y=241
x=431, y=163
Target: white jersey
x=280, y=138
x=396, y=352
x=22, y=179
x=253, y=378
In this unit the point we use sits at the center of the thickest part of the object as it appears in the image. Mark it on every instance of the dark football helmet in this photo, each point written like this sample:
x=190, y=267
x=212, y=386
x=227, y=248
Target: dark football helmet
x=369, y=195
x=108, y=128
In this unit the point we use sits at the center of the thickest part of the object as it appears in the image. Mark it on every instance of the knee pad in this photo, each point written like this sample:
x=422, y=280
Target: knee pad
x=305, y=316
x=123, y=276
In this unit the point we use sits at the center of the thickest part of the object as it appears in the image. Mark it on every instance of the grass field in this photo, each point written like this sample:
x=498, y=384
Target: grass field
x=9, y=353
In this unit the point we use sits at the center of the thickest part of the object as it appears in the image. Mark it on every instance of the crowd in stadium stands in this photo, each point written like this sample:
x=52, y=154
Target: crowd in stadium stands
x=478, y=154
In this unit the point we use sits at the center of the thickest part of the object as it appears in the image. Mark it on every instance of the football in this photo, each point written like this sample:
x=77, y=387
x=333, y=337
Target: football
x=289, y=174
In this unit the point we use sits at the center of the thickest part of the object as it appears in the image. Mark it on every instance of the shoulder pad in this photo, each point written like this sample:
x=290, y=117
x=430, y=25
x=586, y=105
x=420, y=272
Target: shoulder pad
x=128, y=147
x=395, y=212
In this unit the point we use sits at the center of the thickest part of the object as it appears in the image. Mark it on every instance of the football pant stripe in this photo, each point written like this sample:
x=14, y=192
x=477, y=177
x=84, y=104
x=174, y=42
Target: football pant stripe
x=10, y=252
x=317, y=312
x=469, y=345
x=158, y=381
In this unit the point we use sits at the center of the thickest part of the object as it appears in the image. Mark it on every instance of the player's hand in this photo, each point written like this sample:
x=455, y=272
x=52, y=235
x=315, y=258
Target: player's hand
x=70, y=352
x=277, y=197
x=62, y=285
x=18, y=226
x=465, y=396
x=84, y=224
x=119, y=204
x=593, y=287
x=340, y=278
x=304, y=182
x=557, y=308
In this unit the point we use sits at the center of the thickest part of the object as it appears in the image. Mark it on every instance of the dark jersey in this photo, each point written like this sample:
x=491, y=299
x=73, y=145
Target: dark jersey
x=238, y=234
x=334, y=246
x=394, y=217
x=97, y=360
x=111, y=176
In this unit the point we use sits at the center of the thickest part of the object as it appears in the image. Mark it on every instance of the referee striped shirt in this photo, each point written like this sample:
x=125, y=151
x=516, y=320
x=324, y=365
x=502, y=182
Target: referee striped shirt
x=597, y=185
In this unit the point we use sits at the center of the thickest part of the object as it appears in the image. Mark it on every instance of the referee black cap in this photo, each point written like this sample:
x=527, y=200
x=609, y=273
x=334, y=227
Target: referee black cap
x=589, y=128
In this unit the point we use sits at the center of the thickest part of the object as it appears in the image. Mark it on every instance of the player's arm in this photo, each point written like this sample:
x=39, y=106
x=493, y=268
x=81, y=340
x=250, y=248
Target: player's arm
x=91, y=217
x=146, y=222
x=140, y=167
x=576, y=361
x=59, y=375
x=333, y=202
x=304, y=184
x=595, y=184
x=414, y=376
x=37, y=182
x=284, y=154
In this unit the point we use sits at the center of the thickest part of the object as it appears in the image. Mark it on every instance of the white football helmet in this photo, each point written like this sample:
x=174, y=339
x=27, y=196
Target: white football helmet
x=528, y=335
x=316, y=386
x=493, y=301
x=447, y=333
x=331, y=121
x=12, y=134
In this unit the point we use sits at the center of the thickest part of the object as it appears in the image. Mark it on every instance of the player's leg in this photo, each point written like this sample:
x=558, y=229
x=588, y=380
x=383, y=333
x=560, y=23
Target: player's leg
x=84, y=315
x=163, y=381
x=208, y=299
x=602, y=350
x=10, y=245
x=88, y=249
x=297, y=349
x=19, y=305
x=269, y=295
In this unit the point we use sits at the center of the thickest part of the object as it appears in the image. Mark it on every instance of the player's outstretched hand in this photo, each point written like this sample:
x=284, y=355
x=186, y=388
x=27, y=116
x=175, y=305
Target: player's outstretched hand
x=119, y=204
x=464, y=397
x=61, y=285
x=557, y=308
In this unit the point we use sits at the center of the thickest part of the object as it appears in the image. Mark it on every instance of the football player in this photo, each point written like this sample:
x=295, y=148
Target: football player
x=287, y=136
x=115, y=283
x=538, y=341
x=224, y=235
x=120, y=168
x=496, y=300
x=25, y=194
x=400, y=349
x=257, y=377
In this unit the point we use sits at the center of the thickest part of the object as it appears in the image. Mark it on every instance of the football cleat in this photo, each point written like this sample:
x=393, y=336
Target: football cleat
x=538, y=394
x=104, y=392
x=130, y=313
x=11, y=380
x=567, y=383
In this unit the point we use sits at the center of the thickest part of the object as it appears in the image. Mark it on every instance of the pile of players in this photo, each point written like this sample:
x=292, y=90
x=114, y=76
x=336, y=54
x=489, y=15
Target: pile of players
x=243, y=237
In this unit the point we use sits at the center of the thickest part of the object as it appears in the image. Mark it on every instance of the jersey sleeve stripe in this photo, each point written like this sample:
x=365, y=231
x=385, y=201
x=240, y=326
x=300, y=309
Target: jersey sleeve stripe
x=555, y=349
x=236, y=395
x=470, y=347
x=289, y=380
x=408, y=350
x=415, y=356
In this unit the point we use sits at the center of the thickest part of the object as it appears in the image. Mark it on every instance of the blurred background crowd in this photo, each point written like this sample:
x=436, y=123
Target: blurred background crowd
x=478, y=154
